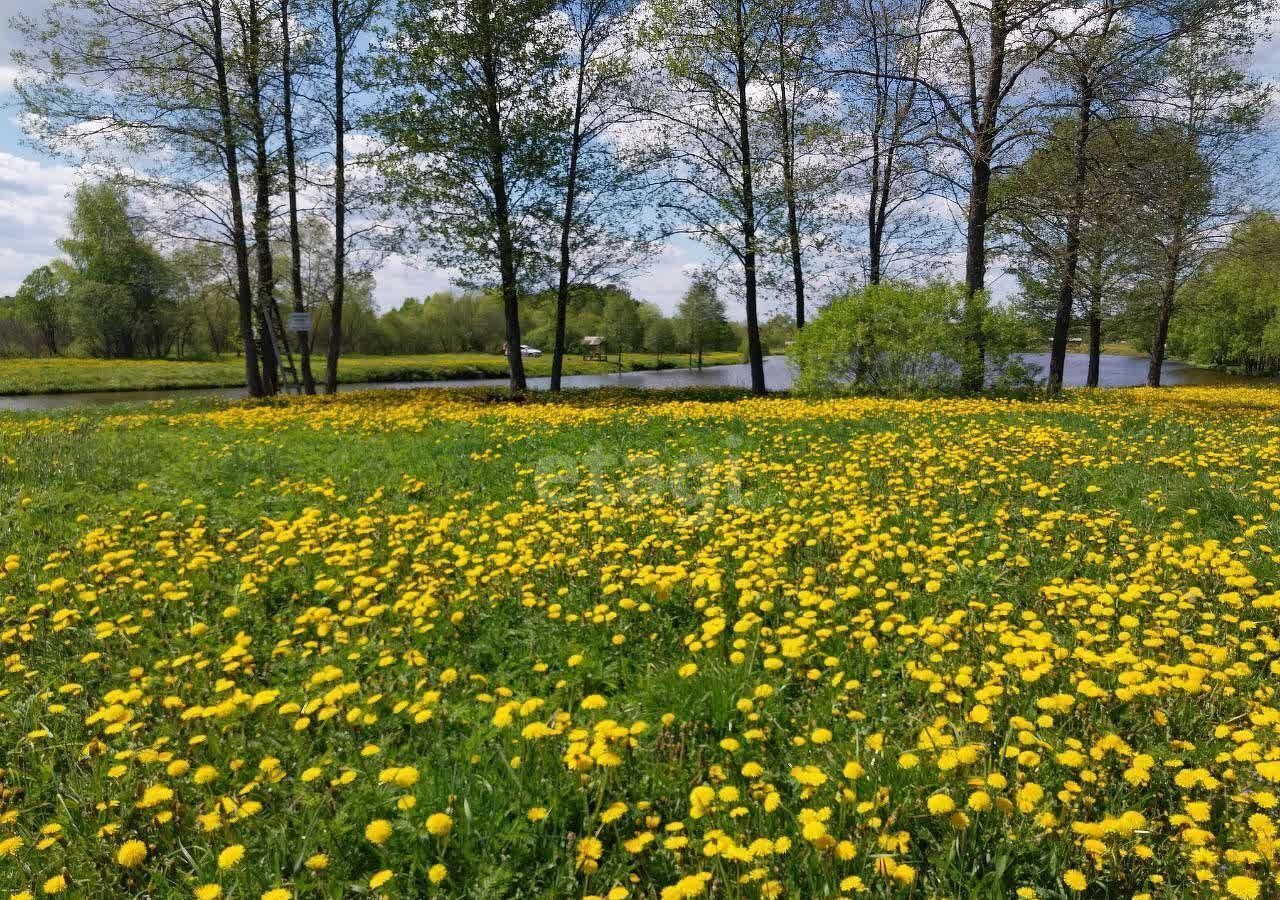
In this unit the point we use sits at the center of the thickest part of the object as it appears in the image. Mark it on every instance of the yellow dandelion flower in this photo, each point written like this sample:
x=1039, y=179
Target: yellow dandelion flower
x=1243, y=887
x=231, y=856
x=439, y=824
x=131, y=853
x=378, y=831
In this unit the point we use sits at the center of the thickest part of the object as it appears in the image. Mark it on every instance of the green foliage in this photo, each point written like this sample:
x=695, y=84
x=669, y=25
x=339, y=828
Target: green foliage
x=1229, y=316
x=42, y=302
x=660, y=336
x=900, y=338
x=890, y=336
x=449, y=322
x=119, y=287
x=776, y=332
x=473, y=130
x=621, y=324
x=704, y=324
x=1033, y=202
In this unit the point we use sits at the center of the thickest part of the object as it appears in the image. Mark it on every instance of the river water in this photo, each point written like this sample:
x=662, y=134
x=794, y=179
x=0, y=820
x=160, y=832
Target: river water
x=1115, y=371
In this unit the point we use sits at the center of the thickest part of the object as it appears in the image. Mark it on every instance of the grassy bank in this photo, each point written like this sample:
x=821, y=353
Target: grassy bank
x=422, y=644
x=60, y=375
x=1109, y=348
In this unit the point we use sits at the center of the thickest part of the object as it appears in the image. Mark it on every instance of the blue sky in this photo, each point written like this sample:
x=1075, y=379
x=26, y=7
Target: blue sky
x=35, y=189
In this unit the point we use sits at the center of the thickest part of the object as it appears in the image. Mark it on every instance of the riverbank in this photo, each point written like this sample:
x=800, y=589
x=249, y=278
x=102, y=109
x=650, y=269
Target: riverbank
x=1109, y=348
x=61, y=375
x=1116, y=371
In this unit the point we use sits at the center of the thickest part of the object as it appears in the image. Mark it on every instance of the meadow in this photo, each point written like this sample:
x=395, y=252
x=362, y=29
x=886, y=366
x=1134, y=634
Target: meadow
x=61, y=375
x=440, y=644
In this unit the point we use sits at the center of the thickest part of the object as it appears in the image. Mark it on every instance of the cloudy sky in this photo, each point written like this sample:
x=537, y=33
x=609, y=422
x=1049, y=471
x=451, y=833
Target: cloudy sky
x=35, y=199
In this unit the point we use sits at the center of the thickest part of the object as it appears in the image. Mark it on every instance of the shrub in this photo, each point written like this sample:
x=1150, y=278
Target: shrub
x=886, y=337
x=898, y=338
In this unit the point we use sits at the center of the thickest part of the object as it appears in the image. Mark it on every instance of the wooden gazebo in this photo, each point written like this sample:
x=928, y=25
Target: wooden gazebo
x=593, y=347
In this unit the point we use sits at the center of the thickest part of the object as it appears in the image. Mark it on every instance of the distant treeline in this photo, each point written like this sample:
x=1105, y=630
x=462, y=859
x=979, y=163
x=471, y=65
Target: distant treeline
x=114, y=294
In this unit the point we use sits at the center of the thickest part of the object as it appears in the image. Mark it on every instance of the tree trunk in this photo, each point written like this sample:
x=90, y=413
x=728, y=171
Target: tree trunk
x=339, y=200
x=502, y=216
x=566, y=226
x=754, y=354
x=883, y=158
x=230, y=150
x=880, y=212
x=1173, y=266
x=788, y=180
x=973, y=372
x=797, y=270
x=975, y=272
x=291, y=173
x=873, y=201
x=262, y=203
x=1095, y=323
x=1071, y=250
x=1161, y=337
x=267, y=357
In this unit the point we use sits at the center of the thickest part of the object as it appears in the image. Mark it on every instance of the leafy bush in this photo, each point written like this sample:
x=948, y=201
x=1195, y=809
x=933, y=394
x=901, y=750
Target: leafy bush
x=1006, y=333
x=901, y=338
x=887, y=337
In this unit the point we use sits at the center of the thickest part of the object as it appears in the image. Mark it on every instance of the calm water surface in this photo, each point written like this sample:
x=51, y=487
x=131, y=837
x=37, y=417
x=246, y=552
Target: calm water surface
x=1115, y=371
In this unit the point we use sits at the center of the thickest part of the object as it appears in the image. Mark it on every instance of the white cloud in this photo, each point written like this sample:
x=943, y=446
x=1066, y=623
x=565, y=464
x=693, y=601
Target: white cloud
x=665, y=280
x=34, y=204
x=398, y=278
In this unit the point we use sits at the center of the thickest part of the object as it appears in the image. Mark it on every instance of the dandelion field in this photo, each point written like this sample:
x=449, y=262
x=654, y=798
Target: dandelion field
x=425, y=644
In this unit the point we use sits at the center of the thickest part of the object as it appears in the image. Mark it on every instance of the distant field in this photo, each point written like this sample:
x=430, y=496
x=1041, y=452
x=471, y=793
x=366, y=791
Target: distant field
x=61, y=375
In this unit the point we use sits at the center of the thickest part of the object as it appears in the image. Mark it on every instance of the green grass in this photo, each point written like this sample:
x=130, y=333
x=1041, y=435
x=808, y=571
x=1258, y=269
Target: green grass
x=1119, y=348
x=60, y=375
x=758, y=590
x=1109, y=348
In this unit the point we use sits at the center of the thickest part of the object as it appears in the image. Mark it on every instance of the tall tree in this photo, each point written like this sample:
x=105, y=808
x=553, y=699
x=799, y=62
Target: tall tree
x=349, y=21
x=801, y=111
x=660, y=337
x=129, y=78
x=239, y=240
x=978, y=58
x=469, y=114
x=1098, y=73
x=42, y=300
x=702, y=318
x=253, y=66
x=1229, y=314
x=621, y=325
x=287, y=77
x=601, y=233
x=1194, y=180
x=119, y=286
x=1042, y=199
x=705, y=101
x=880, y=52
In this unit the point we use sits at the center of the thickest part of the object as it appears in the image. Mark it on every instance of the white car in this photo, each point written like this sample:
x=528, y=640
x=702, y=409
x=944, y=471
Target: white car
x=526, y=350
